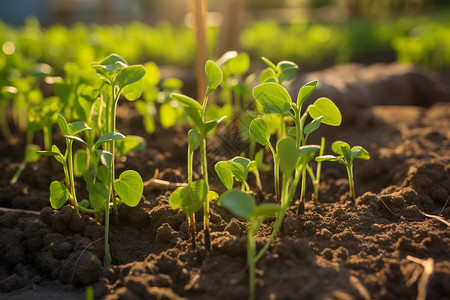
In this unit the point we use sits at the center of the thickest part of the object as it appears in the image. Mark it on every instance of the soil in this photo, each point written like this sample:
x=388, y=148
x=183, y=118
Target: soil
x=339, y=249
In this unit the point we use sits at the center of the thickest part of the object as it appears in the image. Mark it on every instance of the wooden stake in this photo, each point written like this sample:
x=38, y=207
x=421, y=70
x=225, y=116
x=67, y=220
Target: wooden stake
x=199, y=9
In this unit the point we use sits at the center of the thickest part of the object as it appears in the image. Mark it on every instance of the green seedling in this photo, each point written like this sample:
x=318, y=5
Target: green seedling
x=237, y=169
x=275, y=99
x=60, y=193
x=346, y=157
x=197, y=114
x=293, y=160
x=260, y=132
x=191, y=199
x=118, y=77
x=244, y=206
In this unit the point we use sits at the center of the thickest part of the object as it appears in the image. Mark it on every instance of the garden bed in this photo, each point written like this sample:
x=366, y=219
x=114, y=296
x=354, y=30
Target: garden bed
x=336, y=250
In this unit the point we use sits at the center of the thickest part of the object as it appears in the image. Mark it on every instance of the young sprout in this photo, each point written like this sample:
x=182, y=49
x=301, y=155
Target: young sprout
x=346, y=157
x=60, y=193
x=259, y=131
x=292, y=159
x=237, y=168
x=244, y=206
x=197, y=113
x=275, y=99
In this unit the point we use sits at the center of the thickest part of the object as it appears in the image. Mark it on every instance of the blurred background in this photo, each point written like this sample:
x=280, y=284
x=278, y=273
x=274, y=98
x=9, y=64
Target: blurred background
x=312, y=33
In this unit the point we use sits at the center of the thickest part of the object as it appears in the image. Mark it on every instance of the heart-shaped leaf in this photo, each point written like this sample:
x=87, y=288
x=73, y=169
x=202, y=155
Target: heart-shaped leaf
x=326, y=108
x=273, y=97
x=59, y=194
x=129, y=187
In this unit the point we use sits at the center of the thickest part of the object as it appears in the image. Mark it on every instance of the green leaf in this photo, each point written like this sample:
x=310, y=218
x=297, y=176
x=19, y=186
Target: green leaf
x=224, y=172
x=192, y=108
x=80, y=161
x=59, y=194
x=134, y=90
x=287, y=70
x=152, y=76
x=267, y=75
x=111, y=60
x=130, y=142
x=308, y=149
x=326, y=108
x=273, y=97
x=129, y=187
x=76, y=138
x=58, y=156
x=288, y=153
x=240, y=173
x=362, y=153
x=259, y=131
x=194, y=138
x=169, y=114
x=266, y=210
x=98, y=195
x=292, y=132
x=306, y=91
x=239, y=65
x=129, y=75
x=337, y=147
x=102, y=173
x=214, y=75
x=330, y=158
x=62, y=123
x=210, y=125
x=108, y=137
x=190, y=198
x=270, y=64
x=105, y=157
x=239, y=204
x=76, y=128
x=313, y=126
x=31, y=153
x=212, y=196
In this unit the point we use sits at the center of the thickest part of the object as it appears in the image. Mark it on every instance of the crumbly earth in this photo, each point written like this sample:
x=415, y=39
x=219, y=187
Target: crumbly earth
x=336, y=250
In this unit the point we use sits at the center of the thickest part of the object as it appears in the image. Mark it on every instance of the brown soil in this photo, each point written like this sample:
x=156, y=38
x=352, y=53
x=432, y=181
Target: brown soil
x=336, y=250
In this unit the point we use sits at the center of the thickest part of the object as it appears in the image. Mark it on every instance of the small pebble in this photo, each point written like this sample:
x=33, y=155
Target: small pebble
x=376, y=227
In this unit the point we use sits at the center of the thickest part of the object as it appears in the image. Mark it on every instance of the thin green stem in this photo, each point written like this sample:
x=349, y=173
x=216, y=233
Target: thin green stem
x=69, y=159
x=350, y=181
x=276, y=170
x=47, y=130
x=204, y=166
x=289, y=188
x=316, y=182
